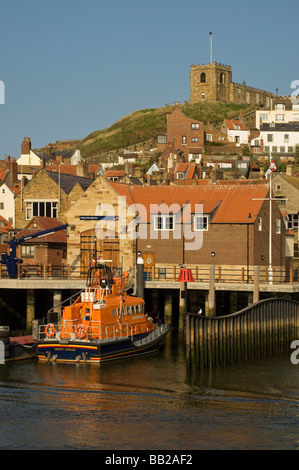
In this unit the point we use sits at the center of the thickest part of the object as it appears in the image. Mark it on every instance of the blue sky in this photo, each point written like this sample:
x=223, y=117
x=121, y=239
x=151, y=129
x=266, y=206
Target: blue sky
x=72, y=67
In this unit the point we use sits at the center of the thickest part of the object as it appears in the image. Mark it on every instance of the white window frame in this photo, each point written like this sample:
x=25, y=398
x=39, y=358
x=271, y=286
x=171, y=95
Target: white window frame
x=29, y=208
x=260, y=224
x=196, y=223
x=28, y=250
x=278, y=226
x=293, y=220
x=164, y=222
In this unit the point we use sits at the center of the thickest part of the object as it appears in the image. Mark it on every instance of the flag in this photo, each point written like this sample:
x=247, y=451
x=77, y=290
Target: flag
x=271, y=168
x=98, y=259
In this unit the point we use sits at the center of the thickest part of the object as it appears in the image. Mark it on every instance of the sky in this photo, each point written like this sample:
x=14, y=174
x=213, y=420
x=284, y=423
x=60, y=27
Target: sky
x=71, y=67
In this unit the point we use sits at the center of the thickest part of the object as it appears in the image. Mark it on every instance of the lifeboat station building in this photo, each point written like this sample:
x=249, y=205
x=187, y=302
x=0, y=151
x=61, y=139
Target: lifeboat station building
x=194, y=225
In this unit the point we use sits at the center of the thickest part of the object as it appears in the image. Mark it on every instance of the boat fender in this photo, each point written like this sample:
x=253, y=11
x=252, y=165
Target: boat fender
x=50, y=330
x=80, y=331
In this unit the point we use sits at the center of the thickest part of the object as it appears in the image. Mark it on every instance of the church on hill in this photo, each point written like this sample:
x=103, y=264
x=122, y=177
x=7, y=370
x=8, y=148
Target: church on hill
x=213, y=83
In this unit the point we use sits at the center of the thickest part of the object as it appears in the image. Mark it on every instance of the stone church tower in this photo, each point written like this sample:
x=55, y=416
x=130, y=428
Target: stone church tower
x=210, y=83
x=213, y=83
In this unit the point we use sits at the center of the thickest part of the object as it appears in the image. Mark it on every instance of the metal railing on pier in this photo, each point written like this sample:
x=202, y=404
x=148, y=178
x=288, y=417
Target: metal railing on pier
x=224, y=274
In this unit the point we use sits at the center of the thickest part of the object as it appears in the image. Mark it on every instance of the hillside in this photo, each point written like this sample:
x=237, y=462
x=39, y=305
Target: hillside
x=144, y=125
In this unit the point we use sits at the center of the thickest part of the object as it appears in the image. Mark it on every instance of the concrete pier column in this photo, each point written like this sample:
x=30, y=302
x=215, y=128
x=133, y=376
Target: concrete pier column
x=183, y=306
x=140, y=277
x=57, y=303
x=168, y=309
x=256, y=284
x=211, y=311
x=30, y=309
x=233, y=302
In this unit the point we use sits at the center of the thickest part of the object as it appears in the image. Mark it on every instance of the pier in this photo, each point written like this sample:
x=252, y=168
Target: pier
x=46, y=287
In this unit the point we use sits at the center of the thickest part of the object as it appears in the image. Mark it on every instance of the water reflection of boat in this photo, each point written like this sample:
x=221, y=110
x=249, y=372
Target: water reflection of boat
x=103, y=323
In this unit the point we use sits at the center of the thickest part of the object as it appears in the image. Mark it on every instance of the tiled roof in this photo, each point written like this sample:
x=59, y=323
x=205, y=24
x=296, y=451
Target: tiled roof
x=5, y=226
x=115, y=173
x=234, y=203
x=234, y=124
x=3, y=173
x=67, y=182
x=187, y=168
x=44, y=223
x=55, y=166
x=16, y=188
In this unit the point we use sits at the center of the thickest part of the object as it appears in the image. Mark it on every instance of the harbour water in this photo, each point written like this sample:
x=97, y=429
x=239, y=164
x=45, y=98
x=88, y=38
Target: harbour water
x=150, y=403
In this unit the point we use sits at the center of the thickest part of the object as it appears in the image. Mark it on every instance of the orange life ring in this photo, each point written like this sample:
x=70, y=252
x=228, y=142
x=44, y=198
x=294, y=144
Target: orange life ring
x=80, y=331
x=50, y=330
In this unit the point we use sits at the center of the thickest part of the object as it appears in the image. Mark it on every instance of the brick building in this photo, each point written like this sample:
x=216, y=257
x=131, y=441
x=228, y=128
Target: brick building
x=49, y=249
x=183, y=134
x=234, y=225
x=213, y=82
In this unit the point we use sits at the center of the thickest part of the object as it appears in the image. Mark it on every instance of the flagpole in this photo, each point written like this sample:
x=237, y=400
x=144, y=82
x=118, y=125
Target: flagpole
x=211, y=48
x=270, y=234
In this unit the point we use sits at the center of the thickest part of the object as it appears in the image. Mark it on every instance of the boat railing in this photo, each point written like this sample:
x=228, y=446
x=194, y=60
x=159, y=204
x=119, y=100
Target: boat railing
x=69, y=330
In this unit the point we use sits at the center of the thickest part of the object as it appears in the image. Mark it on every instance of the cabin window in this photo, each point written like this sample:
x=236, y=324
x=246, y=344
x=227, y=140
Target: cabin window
x=132, y=309
x=141, y=308
x=113, y=312
x=128, y=310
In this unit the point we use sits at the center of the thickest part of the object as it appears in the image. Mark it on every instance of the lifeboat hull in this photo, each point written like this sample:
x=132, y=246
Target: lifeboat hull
x=84, y=351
